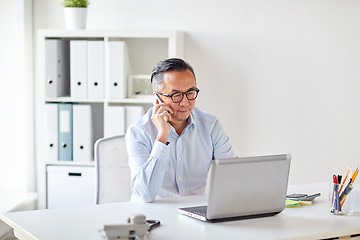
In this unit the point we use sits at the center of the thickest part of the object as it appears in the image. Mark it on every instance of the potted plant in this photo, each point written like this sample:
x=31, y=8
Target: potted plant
x=75, y=13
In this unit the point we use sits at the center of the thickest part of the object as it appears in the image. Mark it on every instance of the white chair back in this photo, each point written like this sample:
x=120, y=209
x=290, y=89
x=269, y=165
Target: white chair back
x=113, y=174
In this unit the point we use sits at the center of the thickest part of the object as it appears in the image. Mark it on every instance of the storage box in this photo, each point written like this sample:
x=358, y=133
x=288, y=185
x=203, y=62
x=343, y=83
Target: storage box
x=70, y=186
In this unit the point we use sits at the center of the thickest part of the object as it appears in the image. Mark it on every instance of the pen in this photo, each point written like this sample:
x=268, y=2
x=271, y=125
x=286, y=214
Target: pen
x=339, y=182
x=153, y=224
x=346, y=192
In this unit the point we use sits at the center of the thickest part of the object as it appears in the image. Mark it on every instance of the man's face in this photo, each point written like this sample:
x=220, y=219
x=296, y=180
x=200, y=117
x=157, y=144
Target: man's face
x=175, y=82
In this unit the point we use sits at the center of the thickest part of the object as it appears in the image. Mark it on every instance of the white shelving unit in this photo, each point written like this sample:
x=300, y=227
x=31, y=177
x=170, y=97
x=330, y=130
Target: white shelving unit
x=145, y=49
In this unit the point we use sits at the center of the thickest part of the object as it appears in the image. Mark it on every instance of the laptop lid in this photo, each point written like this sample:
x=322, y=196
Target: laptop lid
x=248, y=186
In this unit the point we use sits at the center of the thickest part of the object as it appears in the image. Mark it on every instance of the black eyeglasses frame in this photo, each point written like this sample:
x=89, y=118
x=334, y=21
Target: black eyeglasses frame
x=182, y=95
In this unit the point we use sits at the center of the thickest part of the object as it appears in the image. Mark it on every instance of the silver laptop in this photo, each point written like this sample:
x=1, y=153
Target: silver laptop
x=242, y=188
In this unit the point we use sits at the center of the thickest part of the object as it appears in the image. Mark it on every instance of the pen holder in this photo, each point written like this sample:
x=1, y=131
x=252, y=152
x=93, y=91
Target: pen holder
x=340, y=198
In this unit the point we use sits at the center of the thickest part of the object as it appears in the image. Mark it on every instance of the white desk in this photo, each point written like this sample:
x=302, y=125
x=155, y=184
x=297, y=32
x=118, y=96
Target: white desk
x=308, y=222
x=11, y=201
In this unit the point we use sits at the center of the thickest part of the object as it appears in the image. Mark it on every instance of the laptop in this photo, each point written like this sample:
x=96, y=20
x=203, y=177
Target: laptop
x=243, y=188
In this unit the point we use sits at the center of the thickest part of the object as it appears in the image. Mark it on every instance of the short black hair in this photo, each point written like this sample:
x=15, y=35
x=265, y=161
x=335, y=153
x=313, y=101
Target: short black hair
x=170, y=64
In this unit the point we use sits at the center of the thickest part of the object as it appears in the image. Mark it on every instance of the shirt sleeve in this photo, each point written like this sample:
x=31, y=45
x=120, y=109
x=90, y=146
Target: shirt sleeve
x=147, y=164
x=221, y=144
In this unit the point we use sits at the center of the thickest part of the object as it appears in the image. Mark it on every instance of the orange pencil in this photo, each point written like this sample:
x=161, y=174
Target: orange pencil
x=357, y=171
x=354, y=175
x=347, y=173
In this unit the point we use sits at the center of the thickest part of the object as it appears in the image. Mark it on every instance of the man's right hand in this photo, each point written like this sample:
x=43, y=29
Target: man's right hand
x=161, y=111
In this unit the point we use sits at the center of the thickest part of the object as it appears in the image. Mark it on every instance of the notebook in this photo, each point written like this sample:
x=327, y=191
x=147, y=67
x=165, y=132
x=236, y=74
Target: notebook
x=242, y=188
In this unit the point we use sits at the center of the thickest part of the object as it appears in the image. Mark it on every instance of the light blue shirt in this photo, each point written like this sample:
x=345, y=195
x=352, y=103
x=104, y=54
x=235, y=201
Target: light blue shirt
x=181, y=167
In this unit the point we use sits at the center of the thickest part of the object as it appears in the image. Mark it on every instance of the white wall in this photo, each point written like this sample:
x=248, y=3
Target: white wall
x=16, y=96
x=282, y=76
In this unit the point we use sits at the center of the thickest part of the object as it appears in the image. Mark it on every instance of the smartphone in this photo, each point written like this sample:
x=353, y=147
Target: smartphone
x=158, y=98
x=161, y=101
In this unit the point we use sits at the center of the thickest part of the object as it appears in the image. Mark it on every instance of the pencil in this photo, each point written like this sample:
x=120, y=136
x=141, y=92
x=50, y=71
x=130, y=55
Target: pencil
x=354, y=175
x=347, y=173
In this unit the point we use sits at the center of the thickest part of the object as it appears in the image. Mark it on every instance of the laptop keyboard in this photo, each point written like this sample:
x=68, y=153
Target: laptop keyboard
x=201, y=211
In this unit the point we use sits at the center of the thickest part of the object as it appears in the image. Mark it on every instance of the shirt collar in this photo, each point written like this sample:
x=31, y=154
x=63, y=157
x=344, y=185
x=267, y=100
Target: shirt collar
x=191, y=119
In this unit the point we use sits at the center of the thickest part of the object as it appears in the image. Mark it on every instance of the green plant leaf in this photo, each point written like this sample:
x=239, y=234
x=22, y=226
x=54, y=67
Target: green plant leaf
x=76, y=3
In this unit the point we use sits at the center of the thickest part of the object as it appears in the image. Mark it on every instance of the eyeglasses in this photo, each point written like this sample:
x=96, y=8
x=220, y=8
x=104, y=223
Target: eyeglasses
x=178, y=96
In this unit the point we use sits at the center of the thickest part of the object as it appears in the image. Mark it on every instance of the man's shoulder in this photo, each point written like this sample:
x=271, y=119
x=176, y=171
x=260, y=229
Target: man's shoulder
x=201, y=115
x=144, y=122
x=204, y=119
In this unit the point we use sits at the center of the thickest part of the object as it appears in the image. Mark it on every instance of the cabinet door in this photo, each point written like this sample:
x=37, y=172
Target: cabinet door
x=70, y=186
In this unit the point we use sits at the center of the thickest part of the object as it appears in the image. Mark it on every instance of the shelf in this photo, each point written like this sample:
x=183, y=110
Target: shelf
x=133, y=100
x=123, y=77
x=71, y=163
x=125, y=101
x=72, y=100
x=58, y=33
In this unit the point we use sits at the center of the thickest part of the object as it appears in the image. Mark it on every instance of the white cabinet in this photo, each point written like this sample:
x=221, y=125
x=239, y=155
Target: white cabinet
x=100, y=78
x=70, y=186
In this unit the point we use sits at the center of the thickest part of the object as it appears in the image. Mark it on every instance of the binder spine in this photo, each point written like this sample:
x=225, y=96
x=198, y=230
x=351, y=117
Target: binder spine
x=116, y=121
x=118, y=70
x=82, y=134
x=96, y=69
x=78, y=69
x=57, y=69
x=51, y=134
x=65, y=132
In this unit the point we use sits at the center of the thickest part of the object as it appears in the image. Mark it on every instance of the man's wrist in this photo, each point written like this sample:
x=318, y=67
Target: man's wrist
x=162, y=139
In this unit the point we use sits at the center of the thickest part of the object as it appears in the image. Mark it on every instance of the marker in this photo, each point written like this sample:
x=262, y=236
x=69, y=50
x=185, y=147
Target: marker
x=161, y=101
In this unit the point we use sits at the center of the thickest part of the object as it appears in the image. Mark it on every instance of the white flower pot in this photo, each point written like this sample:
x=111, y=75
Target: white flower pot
x=75, y=18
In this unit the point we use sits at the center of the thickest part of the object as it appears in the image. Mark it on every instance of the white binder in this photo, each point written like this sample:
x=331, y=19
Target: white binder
x=57, y=78
x=51, y=132
x=65, y=132
x=115, y=121
x=118, y=69
x=78, y=68
x=82, y=133
x=132, y=114
x=95, y=69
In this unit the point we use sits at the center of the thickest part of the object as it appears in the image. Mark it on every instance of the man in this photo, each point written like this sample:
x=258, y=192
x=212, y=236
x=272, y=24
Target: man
x=171, y=147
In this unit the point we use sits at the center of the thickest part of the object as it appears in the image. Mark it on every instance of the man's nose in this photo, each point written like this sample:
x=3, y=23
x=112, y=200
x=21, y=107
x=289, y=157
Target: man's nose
x=184, y=101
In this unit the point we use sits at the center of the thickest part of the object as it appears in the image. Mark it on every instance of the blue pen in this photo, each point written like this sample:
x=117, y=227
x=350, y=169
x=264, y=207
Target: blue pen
x=337, y=199
x=334, y=193
x=346, y=190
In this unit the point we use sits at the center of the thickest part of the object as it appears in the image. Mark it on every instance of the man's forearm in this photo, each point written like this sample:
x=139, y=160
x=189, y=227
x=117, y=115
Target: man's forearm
x=148, y=176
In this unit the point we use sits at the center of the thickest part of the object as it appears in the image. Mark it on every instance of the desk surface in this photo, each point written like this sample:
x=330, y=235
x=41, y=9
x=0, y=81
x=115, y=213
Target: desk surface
x=308, y=222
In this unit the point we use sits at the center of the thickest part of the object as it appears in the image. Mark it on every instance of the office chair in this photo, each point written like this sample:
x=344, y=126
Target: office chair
x=112, y=170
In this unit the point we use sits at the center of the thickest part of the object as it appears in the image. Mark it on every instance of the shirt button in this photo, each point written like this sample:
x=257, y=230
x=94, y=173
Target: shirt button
x=179, y=178
x=179, y=159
